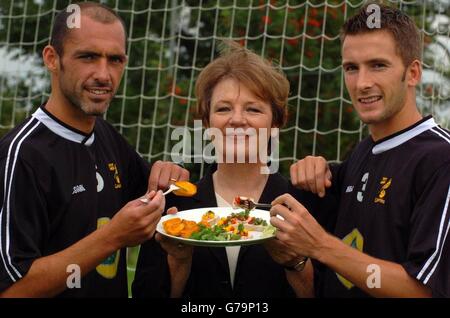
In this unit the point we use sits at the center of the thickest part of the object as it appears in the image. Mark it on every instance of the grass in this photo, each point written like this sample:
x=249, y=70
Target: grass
x=132, y=256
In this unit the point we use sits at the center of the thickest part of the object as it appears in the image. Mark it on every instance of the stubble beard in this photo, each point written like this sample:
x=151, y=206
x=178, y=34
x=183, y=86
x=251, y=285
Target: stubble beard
x=87, y=109
x=75, y=99
x=388, y=112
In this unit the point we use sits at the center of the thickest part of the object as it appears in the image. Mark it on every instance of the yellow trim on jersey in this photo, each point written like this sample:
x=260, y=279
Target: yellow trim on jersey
x=356, y=240
x=108, y=268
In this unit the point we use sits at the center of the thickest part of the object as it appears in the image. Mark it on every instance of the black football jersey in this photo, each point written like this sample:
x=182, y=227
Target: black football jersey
x=394, y=205
x=58, y=185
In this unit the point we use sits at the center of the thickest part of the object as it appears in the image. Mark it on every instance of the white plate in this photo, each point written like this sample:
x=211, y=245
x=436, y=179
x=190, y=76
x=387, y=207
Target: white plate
x=196, y=215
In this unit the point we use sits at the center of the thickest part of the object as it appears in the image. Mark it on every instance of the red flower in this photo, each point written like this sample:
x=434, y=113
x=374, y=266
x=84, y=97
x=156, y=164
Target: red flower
x=292, y=42
x=314, y=22
x=266, y=19
x=295, y=23
x=333, y=13
x=309, y=53
x=178, y=90
x=349, y=109
x=183, y=101
x=301, y=22
x=174, y=90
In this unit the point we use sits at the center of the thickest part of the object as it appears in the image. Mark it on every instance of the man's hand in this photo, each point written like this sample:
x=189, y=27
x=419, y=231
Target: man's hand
x=133, y=224
x=311, y=174
x=163, y=172
x=301, y=282
x=281, y=253
x=136, y=221
x=298, y=229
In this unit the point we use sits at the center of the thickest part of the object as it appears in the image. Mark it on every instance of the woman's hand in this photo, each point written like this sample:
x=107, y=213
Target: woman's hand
x=177, y=251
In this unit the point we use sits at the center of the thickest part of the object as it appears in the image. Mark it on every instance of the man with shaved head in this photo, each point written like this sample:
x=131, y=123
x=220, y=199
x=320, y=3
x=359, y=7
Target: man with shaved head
x=70, y=183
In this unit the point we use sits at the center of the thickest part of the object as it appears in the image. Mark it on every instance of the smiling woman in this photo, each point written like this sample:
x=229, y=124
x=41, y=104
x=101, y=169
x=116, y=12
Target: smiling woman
x=241, y=96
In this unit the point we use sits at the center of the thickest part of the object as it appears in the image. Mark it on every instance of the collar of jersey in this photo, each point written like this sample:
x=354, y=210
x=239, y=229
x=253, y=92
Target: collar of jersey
x=404, y=135
x=61, y=129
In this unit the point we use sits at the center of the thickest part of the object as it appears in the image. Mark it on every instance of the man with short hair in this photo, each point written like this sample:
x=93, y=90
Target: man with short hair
x=70, y=183
x=391, y=237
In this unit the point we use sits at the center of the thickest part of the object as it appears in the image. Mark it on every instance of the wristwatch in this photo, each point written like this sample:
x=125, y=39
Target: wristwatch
x=299, y=266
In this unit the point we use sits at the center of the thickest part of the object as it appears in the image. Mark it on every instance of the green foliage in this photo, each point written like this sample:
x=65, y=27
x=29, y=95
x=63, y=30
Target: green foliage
x=165, y=57
x=166, y=53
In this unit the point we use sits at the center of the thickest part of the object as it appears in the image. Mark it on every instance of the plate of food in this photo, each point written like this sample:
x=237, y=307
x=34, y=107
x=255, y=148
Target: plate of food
x=217, y=226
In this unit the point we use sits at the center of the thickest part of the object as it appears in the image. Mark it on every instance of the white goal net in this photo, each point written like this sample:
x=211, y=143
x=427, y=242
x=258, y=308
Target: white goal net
x=170, y=41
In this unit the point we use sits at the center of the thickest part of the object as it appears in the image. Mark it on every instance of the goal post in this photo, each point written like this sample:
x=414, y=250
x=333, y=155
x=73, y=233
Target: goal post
x=171, y=41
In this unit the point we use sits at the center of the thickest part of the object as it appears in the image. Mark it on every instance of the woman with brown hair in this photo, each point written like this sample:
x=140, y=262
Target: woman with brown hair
x=239, y=94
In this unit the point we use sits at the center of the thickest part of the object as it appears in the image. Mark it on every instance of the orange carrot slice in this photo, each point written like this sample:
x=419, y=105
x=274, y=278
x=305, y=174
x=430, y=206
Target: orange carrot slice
x=187, y=189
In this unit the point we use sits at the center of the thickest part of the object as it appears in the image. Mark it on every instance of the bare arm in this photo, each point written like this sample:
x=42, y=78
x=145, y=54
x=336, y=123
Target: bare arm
x=300, y=231
x=179, y=260
x=357, y=267
x=179, y=275
x=47, y=276
x=302, y=282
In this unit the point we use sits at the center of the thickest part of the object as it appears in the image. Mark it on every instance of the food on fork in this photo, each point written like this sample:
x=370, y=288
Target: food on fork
x=186, y=189
x=248, y=203
x=243, y=202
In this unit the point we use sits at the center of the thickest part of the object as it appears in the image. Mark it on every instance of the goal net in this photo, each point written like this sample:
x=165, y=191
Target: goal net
x=171, y=41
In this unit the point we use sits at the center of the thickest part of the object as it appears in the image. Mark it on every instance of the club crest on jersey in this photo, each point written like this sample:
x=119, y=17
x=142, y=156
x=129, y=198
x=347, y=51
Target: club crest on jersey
x=385, y=184
x=113, y=167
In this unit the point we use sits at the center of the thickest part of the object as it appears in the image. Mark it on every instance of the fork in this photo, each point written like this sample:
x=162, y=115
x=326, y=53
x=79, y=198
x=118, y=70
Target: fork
x=172, y=187
x=249, y=204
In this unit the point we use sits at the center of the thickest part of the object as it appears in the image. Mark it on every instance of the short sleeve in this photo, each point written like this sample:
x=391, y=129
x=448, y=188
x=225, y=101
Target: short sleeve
x=23, y=220
x=338, y=171
x=428, y=258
